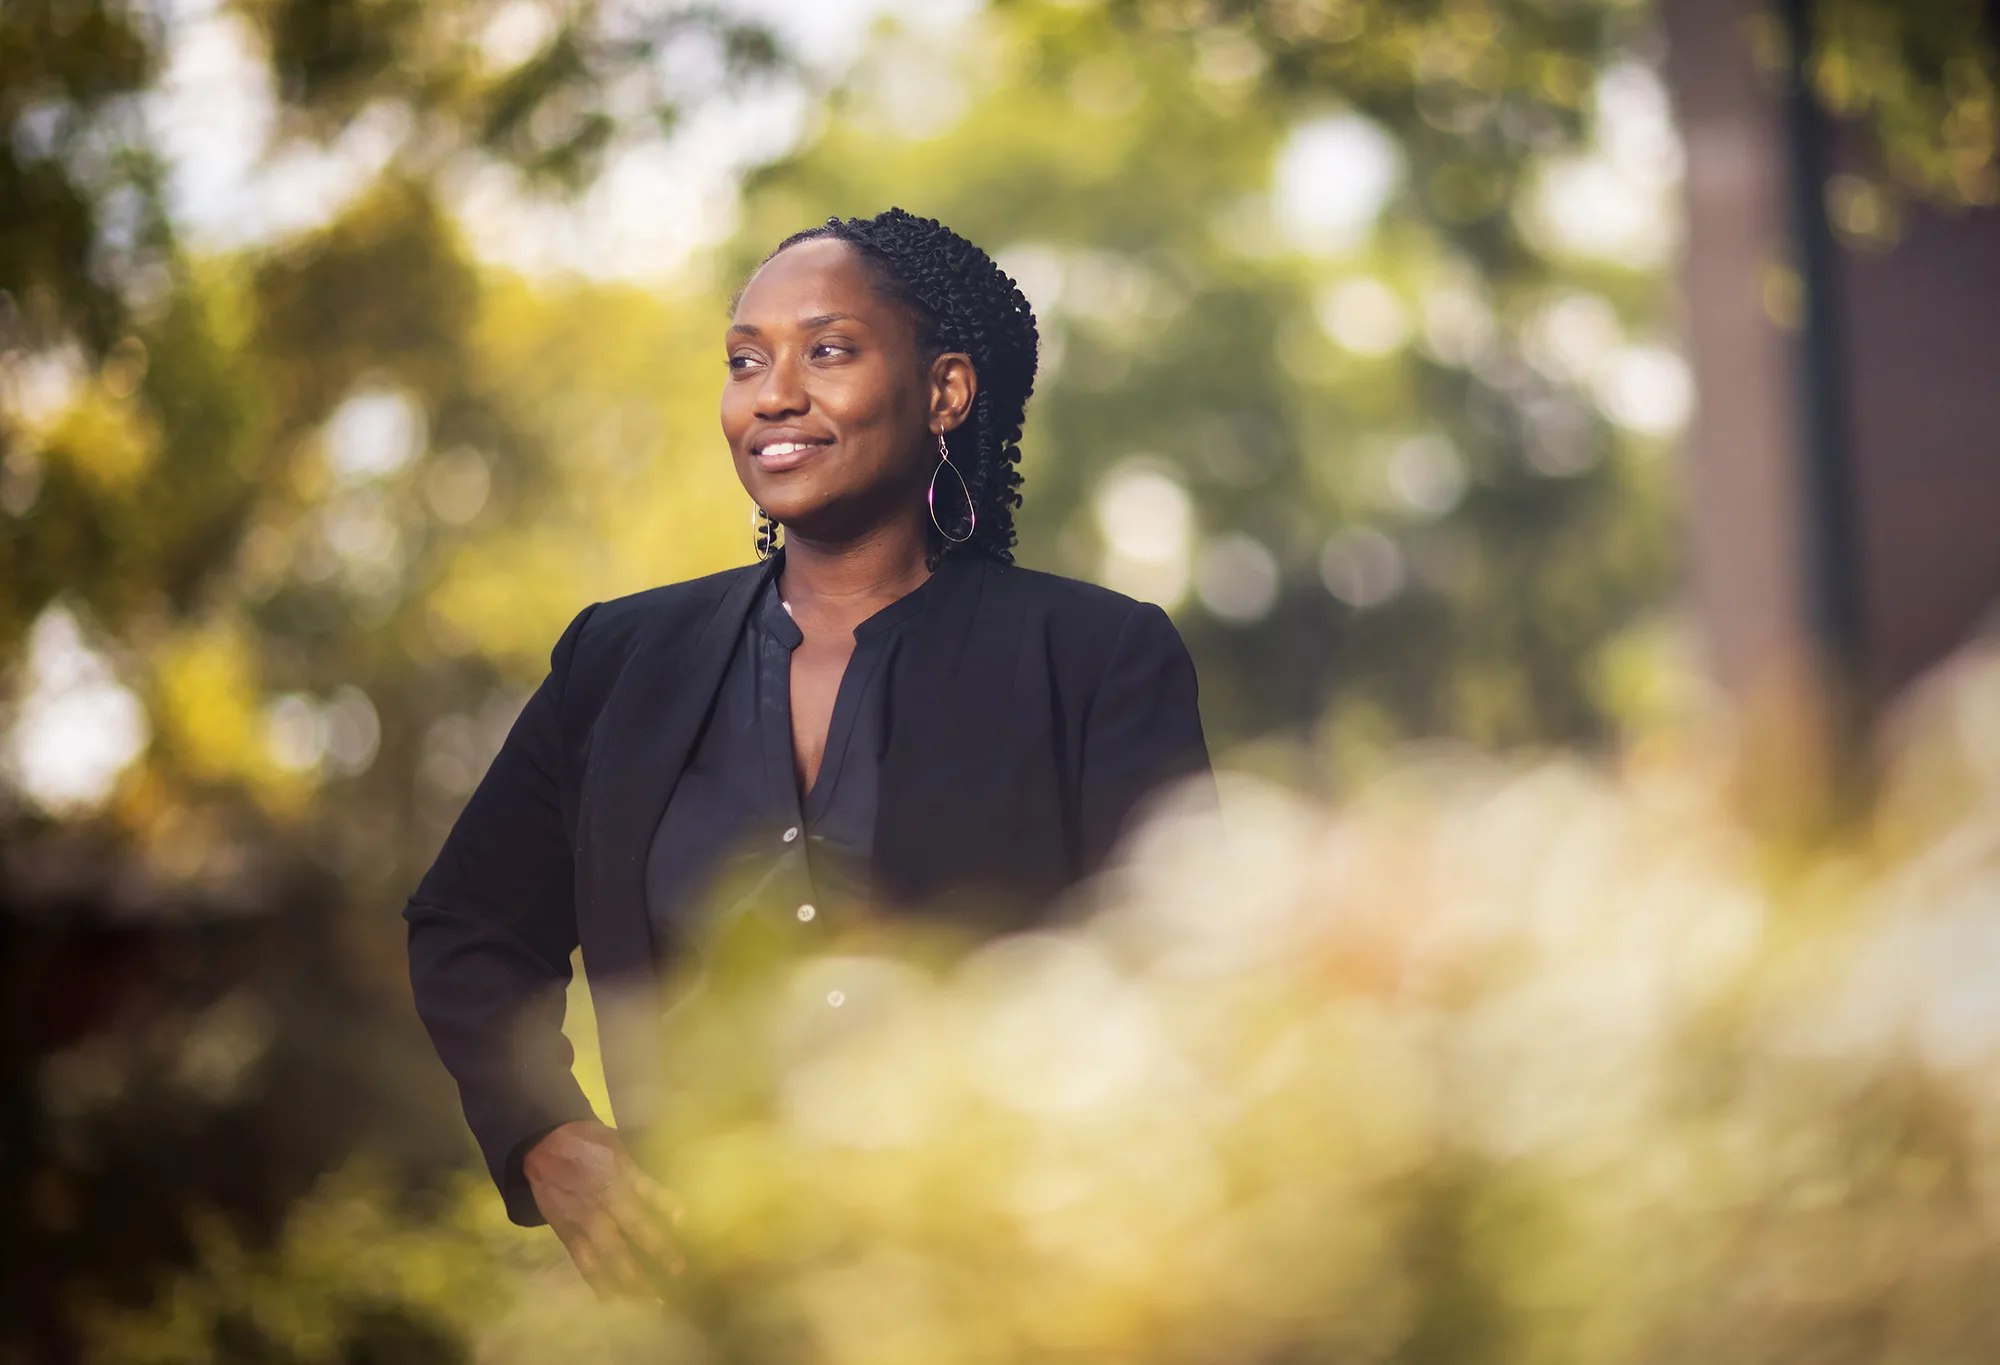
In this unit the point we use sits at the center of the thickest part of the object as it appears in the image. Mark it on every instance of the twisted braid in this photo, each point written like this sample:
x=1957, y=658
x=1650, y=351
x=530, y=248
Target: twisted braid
x=962, y=301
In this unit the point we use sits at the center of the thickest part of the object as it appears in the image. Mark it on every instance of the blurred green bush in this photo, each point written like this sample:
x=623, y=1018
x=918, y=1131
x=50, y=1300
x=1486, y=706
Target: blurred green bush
x=1495, y=1062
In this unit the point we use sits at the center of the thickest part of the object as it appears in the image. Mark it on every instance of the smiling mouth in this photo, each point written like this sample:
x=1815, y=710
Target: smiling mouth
x=787, y=454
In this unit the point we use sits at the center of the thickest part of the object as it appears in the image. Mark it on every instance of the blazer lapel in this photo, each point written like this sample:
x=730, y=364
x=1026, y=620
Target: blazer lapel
x=640, y=747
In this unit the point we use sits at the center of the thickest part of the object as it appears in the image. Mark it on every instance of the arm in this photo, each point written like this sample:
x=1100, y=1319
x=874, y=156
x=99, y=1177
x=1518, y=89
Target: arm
x=1143, y=729
x=492, y=926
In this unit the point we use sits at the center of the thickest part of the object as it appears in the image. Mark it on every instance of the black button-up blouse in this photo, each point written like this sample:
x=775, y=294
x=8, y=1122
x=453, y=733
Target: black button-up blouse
x=735, y=837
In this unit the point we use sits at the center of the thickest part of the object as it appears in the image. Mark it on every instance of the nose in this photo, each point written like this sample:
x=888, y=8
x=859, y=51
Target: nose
x=780, y=393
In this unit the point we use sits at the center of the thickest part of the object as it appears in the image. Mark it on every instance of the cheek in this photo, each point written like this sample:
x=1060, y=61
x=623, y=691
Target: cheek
x=735, y=409
x=854, y=398
x=877, y=407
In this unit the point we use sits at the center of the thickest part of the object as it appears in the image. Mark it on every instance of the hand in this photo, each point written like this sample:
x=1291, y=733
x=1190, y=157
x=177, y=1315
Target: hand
x=612, y=1217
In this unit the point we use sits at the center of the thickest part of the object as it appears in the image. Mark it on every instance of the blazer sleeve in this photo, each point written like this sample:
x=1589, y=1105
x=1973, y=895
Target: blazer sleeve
x=491, y=929
x=1143, y=728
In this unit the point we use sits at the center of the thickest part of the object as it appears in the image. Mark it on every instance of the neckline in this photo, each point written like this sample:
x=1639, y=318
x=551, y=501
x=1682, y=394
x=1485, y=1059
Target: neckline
x=904, y=607
x=777, y=613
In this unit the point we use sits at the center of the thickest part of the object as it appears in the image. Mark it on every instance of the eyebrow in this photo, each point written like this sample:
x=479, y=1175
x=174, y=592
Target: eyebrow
x=808, y=324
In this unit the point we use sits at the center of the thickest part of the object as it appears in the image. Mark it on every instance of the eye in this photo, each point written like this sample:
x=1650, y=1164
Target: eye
x=740, y=363
x=826, y=348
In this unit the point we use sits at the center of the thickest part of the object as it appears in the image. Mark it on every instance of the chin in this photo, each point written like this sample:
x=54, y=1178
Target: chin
x=833, y=520
x=794, y=504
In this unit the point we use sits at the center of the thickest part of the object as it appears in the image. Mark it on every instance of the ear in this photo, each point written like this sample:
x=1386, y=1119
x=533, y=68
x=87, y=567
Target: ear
x=954, y=384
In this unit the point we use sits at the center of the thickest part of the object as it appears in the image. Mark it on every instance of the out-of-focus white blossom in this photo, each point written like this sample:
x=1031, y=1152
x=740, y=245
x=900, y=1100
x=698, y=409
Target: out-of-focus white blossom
x=76, y=727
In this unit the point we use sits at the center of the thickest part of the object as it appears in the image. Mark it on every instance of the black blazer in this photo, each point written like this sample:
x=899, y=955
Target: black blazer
x=1032, y=714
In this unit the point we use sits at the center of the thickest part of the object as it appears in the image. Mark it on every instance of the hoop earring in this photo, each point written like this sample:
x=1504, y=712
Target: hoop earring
x=930, y=496
x=764, y=530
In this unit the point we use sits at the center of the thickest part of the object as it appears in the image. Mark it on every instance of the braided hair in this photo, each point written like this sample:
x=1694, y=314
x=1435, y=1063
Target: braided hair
x=961, y=301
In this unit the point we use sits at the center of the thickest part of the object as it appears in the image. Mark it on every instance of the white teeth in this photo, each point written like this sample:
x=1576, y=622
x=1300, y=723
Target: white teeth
x=784, y=447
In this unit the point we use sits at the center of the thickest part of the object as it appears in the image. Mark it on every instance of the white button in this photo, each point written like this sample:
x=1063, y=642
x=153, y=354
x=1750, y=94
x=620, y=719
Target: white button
x=791, y=834
x=806, y=912
x=836, y=998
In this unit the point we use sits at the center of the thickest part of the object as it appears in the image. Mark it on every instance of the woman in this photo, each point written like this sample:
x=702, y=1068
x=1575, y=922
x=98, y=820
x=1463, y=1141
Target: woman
x=883, y=709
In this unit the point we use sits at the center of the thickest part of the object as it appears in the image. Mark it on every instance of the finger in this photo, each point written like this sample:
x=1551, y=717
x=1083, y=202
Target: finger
x=630, y=1278
x=663, y=1201
x=645, y=1227
x=584, y=1255
x=612, y=1273
x=648, y=1211
x=621, y=1271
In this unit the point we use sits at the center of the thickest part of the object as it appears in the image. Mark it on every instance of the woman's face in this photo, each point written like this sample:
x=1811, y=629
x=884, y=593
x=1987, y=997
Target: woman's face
x=831, y=413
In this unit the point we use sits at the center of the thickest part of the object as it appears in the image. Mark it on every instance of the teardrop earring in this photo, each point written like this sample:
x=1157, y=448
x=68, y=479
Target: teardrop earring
x=930, y=496
x=764, y=530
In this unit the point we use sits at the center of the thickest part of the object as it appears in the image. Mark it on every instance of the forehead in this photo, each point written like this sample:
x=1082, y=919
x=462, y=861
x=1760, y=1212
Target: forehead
x=812, y=279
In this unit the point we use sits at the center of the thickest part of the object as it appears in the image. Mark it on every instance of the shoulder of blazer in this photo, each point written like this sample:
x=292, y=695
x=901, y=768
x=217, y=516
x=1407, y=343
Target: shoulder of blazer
x=1070, y=600
x=1084, y=626
x=611, y=630
x=617, y=624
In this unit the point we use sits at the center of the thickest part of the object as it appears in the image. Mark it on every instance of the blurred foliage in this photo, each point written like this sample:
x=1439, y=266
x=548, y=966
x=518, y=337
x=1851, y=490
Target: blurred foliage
x=360, y=1274
x=80, y=191
x=1496, y=1062
x=586, y=71
x=1922, y=77
x=287, y=528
